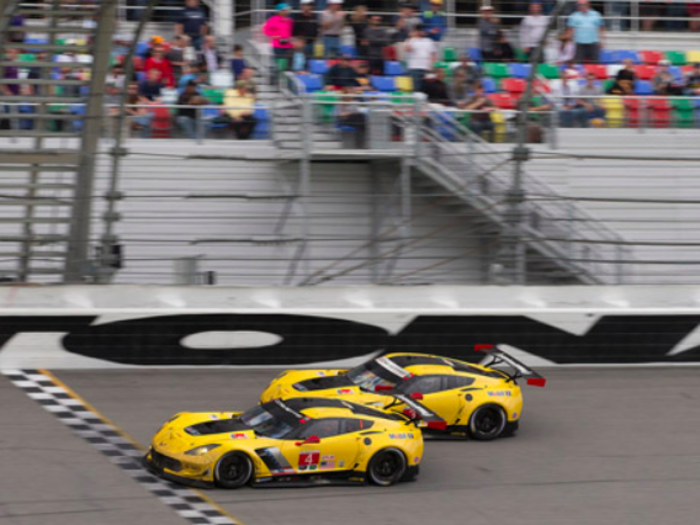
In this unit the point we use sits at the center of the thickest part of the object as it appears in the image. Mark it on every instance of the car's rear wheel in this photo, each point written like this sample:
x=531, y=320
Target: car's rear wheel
x=387, y=467
x=487, y=423
x=233, y=470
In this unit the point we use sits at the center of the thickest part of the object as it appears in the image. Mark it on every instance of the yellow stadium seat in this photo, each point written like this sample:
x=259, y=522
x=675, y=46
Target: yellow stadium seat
x=612, y=103
x=499, y=126
x=692, y=56
x=404, y=83
x=318, y=50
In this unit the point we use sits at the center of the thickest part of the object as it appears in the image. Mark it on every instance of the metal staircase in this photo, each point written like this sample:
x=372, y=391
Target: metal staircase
x=50, y=133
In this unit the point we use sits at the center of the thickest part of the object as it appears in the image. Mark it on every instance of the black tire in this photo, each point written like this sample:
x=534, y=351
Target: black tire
x=387, y=467
x=487, y=422
x=233, y=470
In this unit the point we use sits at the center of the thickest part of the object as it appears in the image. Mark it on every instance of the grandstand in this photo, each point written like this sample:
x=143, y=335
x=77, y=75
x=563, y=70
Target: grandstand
x=302, y=181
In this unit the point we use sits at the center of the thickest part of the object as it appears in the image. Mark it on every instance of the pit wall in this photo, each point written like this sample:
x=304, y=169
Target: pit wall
x=152, y=326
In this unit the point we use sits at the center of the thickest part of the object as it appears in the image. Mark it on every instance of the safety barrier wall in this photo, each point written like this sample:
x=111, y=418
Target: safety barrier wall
x=121, y=326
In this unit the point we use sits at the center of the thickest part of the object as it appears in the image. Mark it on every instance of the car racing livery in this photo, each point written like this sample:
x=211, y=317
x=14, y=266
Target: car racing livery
x=452, y=397
x=303, y=440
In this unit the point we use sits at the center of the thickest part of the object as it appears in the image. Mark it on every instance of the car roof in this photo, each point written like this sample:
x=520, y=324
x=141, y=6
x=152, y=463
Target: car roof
x=321, y=407
x=423, y=364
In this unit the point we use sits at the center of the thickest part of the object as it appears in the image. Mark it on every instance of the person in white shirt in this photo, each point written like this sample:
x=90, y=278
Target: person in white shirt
x=570, y=110
x=532, y=28
x=421, y=54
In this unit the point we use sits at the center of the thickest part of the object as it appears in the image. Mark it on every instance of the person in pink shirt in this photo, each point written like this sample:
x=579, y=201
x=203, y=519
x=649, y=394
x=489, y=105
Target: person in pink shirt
x=278, y=29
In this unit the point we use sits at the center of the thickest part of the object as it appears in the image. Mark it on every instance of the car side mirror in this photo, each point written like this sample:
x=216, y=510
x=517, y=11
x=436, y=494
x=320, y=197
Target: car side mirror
x=418, y=396
x=311, y=440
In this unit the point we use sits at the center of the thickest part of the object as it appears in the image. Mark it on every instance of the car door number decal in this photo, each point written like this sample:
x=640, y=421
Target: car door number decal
x=309, y=460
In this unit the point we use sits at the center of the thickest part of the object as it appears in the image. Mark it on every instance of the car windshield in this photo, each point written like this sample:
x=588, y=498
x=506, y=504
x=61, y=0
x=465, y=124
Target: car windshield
x=371, y=374
x=265, y=423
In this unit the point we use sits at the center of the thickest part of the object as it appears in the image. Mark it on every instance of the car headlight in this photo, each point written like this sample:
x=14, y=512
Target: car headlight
x=200, y=451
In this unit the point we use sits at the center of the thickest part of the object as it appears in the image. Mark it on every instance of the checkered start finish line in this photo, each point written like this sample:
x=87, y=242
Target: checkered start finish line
x=86, y=423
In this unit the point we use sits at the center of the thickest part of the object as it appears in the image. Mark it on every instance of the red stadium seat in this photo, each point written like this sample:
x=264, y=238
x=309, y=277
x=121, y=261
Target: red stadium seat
x=161, y=125
x=503, y=100
x=599, y=70
x=651, y=57
x=515, y=86
x=645, y=72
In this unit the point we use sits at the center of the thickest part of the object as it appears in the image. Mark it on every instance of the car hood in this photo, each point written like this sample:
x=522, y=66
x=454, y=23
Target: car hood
x=192, y=429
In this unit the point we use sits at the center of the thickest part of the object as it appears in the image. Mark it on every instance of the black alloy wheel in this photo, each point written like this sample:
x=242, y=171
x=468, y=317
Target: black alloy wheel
x=487, y=423
x=233, y=470
x=387, y=467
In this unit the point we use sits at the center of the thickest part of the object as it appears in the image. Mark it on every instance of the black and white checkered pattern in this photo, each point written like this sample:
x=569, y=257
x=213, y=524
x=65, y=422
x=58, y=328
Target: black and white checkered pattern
x=90, y=426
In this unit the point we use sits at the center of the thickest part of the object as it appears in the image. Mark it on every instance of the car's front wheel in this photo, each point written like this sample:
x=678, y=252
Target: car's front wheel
x=233, y=470
x=387, y=467
x=487, y=423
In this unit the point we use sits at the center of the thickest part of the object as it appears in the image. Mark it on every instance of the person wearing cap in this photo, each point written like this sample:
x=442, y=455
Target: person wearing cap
x=421, y=53
x=278, y=29
x=489, y=31
x=193, y=22
x=332, y=22
x=305, y=26
x=664, y=82
x=587, y=29
x=406, y=22
x=532, y=28
x=435, y=21
x=692, y=80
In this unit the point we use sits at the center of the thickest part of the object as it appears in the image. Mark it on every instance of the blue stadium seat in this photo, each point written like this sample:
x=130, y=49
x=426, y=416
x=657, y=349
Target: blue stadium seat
x=262, y=123
x=606, y=56
x=489, y=85
x=320, y=67
x=78, y=110
x=643, y=87
x=623, y=54
x=393, y=68
x=474, y=53
x=311, y=82
x=36, y=40
x=520, y=70
x=348, y=50
x=383, y=83
x=140, y=76
x=208, y=116
x=141, y=48
x=676, y=72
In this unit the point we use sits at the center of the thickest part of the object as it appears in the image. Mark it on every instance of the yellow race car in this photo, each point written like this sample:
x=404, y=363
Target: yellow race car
x=304, y=440
x=452, y=397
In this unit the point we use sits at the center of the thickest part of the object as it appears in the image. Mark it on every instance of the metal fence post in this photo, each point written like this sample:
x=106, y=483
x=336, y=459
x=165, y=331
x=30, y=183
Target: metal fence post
x=199, y=125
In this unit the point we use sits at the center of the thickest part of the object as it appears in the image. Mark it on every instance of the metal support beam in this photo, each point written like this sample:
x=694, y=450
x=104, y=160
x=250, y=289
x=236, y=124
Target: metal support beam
x=77, y=263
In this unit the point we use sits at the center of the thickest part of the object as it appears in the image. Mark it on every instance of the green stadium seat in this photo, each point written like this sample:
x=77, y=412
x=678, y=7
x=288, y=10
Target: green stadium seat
x=329, y=100
x=214, y=95
x=683, y=118
x=27, y=57
x=520, y=55
x=677, y=58
x=549, y=71
x=496, y=70
x=449, y=54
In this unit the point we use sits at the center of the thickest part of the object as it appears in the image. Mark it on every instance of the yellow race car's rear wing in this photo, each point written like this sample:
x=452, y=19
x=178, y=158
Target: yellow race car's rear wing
x=495, y=355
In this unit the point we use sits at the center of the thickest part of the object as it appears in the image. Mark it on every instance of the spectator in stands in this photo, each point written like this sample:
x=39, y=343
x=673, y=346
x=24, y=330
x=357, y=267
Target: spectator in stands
x=278, y=29
x=488, y=33
x=594, y=112
x=649, y=10
x=341, y=75
x=209, y=57
x=189, y=72
x=238, y=62
x=10, y=73
x=532, y=28
x=692, y=81
x=435, y=88
x=471, y=72
x=377, y=38
x=362, y=78
x=176, y=55
x=503, y=51
x=421, y=54
x=359, y=23
x=241, y=104
x=114, y=84
x=140, y=117
x=305, y=26
x=162, y=64
x=587, y=28
x=151, y=87
x=406, y=22
x=332, y=23
x=298, y=56
x=245, y=81
x=435, y=21
x=461, y=87
x=16, y=36
x=187, y=117
x=193, y=22
x=566, y=51
x=569, y=108
x=624, y=81
x=154, y=42
x=694, y=14
x=664, y=82
x=481, y=106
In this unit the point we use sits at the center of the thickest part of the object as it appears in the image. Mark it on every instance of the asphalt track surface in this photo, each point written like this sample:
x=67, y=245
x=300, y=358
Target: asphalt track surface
x=596, y=446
